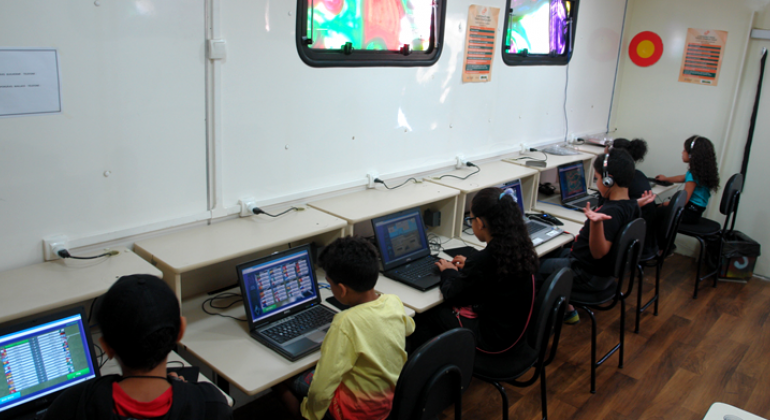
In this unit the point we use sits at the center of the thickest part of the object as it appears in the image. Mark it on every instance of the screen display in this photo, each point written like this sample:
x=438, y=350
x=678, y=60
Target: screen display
x=44, y=359
x=539, y=26
x=516, y=187
x=572, y=180
x=401, y=236
x=277, y=284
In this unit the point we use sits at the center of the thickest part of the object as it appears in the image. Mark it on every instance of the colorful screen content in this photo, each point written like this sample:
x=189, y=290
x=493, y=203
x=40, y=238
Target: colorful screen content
x=572, y=180
x=539, y=26
x=370, y=24
x=401, y=237
x=516, y=187
x=278, y=285
x=43, y=359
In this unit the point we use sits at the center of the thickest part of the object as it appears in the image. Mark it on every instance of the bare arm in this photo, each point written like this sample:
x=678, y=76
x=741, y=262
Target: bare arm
x=676, y=179
x=689, y=187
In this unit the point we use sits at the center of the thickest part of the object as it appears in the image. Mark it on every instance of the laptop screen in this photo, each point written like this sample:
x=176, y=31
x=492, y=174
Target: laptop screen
x=516, y=187
x=278, y=283
x=572, y=180
x=43, y=357
x=401, y=237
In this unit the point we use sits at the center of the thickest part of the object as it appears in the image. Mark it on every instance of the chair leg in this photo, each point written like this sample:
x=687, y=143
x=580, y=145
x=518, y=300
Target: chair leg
x=700, y=261
x=504, y=395
x=593, y=348
x=622, y=330
x=639, y=298
x=658, y=268
x=543, y=395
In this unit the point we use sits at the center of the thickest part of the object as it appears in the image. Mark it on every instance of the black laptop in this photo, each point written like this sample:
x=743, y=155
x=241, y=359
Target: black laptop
x=283, y=305
x=42, y=357
x=572, y=183
x=404, y=249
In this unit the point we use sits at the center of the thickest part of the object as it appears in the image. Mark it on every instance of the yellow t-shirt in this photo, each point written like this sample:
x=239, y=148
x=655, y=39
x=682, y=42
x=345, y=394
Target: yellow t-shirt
x=361, y=358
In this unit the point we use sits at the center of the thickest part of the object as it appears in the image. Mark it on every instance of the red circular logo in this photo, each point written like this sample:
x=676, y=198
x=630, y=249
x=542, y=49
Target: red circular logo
x=645, y=49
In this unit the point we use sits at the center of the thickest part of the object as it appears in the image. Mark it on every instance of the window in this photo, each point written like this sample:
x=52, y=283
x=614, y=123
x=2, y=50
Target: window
x=356, y=33
x=539, y=32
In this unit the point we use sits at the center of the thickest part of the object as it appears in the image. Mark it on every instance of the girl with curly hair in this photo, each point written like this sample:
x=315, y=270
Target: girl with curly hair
x=492, y=291
x=701, y=178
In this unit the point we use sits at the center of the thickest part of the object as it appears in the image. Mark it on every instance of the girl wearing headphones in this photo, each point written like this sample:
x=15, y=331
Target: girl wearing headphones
x=590, y=257
x=701, y=178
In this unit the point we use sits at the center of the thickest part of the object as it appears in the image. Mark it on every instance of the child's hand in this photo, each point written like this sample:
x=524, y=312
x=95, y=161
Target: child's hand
x=595, y=216
x=459, y=261
x=646, y=198
x=662, y=178
x=445, y=265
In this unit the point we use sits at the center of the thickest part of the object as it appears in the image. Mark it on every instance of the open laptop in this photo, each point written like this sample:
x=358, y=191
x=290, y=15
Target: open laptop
x=404, y=249
x=42, y=357
x=572, y=183
x=539, y=232
x=283, y=305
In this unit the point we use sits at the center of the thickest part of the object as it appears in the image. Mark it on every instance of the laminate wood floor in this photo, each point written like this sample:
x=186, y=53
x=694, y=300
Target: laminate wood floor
x=694, y=353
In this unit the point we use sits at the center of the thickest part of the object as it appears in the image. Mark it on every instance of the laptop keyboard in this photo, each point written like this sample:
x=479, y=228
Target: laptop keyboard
x=299, y=324
x=418, y=269
x=535, y=227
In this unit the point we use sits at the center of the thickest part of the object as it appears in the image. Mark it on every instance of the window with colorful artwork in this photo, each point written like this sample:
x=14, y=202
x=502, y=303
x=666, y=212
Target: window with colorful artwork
x=539, y=32
x=348, y=33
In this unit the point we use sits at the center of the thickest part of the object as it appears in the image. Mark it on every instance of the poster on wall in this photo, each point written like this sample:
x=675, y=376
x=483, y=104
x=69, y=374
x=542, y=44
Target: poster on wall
x=702, y=59
x=480, y=41
x=29, y=82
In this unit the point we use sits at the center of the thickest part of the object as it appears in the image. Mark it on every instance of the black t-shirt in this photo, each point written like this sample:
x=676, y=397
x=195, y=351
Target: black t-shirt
x=622, y=212
x=93, y=400
x=503, y=305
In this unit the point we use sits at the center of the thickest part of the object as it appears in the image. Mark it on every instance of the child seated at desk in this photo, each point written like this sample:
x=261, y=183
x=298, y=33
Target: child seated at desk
x=491, y=292
x=363, y=351
x=590, y=257
x=140, y=321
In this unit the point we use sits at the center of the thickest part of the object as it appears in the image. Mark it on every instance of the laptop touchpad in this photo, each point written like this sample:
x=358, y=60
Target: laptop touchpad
x=317, y=336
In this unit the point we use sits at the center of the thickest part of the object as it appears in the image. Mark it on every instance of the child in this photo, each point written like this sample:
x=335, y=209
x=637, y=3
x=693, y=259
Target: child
x=140, y=322
x=701, y=178
x=492, y=291
x=590, y=257
x=364, y=350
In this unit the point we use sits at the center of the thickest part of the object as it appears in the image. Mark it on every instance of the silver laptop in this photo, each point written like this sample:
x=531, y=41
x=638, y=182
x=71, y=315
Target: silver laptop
x=283, y=304
x=539, y=232
x=572, y=184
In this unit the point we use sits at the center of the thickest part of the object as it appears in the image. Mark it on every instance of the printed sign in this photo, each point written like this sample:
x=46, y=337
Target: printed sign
x=480, y=41
x=702, y=59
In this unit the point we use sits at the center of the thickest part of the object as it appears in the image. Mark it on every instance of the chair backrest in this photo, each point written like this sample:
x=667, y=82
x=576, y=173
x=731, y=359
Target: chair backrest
x=550, y=303
x=674, y=211
x=628, y=247
x=435, y=376
x=729, y=204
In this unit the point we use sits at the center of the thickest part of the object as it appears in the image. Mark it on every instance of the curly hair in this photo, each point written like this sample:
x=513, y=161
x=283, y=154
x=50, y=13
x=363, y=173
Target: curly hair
x=703, y=161
x=637, y=148
x=352, y=261
x=512, y=248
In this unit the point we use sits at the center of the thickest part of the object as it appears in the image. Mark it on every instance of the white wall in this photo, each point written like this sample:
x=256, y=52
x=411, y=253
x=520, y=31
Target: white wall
x=135, y=104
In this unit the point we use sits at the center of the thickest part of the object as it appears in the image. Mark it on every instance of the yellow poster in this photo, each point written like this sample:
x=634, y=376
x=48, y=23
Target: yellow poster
x=702, y=59
x=480, y=41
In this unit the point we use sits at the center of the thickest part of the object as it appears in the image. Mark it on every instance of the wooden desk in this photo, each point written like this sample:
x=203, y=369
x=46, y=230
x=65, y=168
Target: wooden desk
x=234, y=241
x=46, y=286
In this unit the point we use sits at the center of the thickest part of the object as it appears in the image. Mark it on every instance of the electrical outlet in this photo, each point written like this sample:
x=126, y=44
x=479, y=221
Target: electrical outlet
x=52, y=245
x=247, y=204
x=460, y=161
x=370, y=177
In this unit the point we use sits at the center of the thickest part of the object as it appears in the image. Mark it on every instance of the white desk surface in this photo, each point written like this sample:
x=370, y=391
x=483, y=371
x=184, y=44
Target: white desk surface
x=491, y=175
x=722, y=411
x=552, y=205
x=225, y=345
x=46, y=286
x=206, y=245
x=590, y=149
x=111, y=367
x=553, y=160
x=571, y=227
x=376, y=202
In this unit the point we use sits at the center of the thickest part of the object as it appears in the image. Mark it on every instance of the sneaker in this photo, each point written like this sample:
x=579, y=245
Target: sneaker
x=571, y=317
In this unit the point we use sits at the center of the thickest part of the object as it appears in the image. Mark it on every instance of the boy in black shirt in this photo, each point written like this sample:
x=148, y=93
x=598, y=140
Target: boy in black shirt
x=590, y=257
x=140, y=322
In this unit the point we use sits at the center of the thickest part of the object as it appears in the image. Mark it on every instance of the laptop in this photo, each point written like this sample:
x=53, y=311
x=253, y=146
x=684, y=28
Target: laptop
x=539, y=232
x=404, y=249
x=572, y=183
x=283, y=304
x=41, y=358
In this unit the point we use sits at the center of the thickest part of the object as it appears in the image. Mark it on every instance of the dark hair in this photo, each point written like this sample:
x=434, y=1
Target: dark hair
x=511, y=246
x=620, y=166
x=352, y=261
x=703, y=161
x=637, y=148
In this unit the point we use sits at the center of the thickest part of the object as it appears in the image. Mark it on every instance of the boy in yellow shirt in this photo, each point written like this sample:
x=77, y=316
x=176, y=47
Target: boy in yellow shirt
x=363, y=351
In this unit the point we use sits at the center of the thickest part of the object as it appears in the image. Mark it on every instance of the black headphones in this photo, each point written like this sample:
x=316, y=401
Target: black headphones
x=607, y=180
x=692, y=144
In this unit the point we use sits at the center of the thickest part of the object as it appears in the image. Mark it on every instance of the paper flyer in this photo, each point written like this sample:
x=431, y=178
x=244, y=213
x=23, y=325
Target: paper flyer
x=702, y=59
x=29, y=82
x=480, y=41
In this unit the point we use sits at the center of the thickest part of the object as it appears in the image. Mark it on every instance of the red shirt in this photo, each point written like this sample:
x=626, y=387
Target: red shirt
x=128, y=407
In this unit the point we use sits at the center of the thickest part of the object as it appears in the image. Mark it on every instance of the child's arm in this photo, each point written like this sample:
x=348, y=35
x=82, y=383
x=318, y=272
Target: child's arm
x=676, y=179
x=338, y=356
x=597, y=243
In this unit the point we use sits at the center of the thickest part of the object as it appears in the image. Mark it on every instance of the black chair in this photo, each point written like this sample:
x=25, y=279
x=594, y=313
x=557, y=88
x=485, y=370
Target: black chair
x=669, y=226
x=435, y=376
x=709, y=229
x=550, y=305
x=627, y=246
